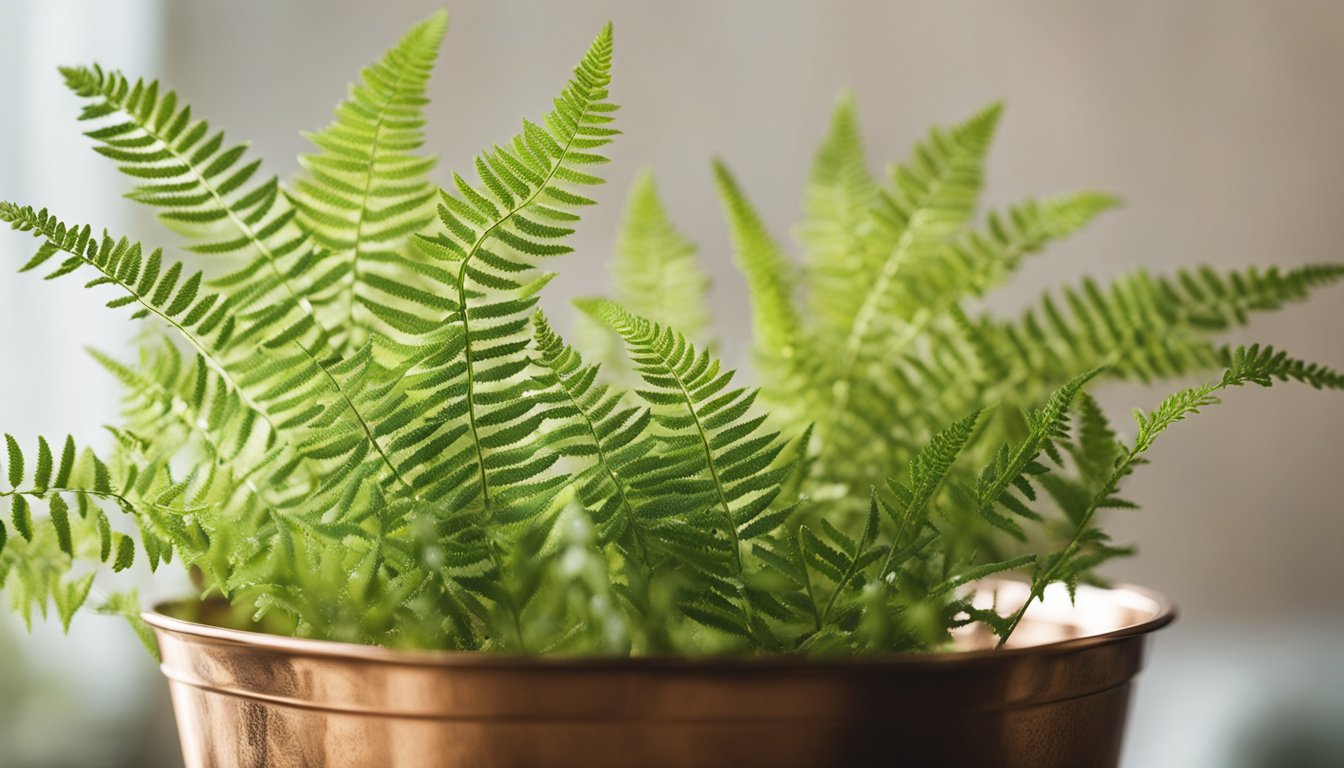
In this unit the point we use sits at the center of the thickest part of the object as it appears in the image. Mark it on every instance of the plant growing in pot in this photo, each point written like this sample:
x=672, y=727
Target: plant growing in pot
x=426, y=530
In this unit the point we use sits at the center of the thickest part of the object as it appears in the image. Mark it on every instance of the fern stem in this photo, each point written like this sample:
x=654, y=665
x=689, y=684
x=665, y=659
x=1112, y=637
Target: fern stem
x=603, y=462
x=464, y=308
x=710, y=464
x=119, y=498
x=1043, y=580
x=364, y=424
x=807, y=579
x=374, y=147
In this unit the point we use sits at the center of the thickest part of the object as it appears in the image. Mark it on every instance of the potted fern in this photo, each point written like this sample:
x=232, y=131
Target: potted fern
x=426, y=529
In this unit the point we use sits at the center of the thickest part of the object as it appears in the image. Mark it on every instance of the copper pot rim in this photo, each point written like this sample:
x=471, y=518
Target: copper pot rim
x=1161, y=609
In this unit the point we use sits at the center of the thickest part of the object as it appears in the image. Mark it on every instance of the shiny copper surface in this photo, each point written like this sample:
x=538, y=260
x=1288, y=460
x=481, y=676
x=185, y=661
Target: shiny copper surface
x=1058, y=697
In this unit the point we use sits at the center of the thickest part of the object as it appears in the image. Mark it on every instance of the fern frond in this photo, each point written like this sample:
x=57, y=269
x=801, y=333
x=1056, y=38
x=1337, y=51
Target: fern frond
x=365, y=192
x=1262, y=365
x=977, y=259
x=655, y=269
x=202, y=186
x=1006, y=478
x=1089, y=547
x=929, y=469
x=276, y=394
x=927, y=199
x=58, y=511
x=493, y=236
x=463, y=426
x=708, y=430
x=837, y=226
x=1144, y=326
x=705, y=422
x=769, y=274
x=599, y=427
x=154, y=285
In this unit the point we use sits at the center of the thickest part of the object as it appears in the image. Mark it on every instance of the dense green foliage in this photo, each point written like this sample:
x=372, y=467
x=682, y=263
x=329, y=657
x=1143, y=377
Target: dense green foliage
x=355, y=423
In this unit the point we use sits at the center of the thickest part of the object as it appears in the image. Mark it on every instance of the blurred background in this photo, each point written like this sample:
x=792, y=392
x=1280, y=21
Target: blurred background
x=1219, y=122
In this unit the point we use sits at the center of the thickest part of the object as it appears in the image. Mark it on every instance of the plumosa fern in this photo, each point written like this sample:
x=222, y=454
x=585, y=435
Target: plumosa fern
x=351, y=420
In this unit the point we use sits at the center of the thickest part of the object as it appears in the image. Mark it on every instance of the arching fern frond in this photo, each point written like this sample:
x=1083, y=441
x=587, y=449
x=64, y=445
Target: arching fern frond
x=976, y=260
x=1141, y=326
x=604, y=432
x=202, y=186
x=278, y=392
x=705, y=422
x=366, y=191
x=769, y=274
x=493, y=235
x=927, y=199
x=206, y=190
x=711, y=436
x=1088, y=547
x=150, y=283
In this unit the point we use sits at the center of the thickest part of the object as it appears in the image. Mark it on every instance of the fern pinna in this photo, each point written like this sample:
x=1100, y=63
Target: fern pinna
x=352, y=421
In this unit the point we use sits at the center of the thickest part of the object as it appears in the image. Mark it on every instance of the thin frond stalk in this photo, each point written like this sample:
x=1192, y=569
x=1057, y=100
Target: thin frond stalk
x=1246, y=365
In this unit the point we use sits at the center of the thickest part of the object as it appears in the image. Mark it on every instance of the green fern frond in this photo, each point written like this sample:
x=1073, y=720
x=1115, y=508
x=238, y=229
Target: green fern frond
x=709, y=434
x=493, y=236
x=207, y=191
x=705, y=423
x=1087, y=547
x=769, y=274
x=926, y=200
x=58, y=511
x=462, y=426
x=656, y=275
x=1262, y=365
x=202, y=186
x=977, y=260
x=599, y=427
x=1144, y=326
x=152, y=284
x=929, y=469
x=837, y=226
x=366, y=192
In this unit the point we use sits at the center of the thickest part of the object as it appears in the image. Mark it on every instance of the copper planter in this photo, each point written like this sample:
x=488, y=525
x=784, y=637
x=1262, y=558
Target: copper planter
x=1058, y=698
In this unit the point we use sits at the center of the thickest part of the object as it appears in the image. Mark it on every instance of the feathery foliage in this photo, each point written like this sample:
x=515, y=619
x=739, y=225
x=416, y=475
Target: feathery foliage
x=353, y=422
x=366, y=191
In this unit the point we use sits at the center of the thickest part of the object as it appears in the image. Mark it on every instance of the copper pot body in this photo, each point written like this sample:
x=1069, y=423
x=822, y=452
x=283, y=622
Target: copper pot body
x=1058, y=697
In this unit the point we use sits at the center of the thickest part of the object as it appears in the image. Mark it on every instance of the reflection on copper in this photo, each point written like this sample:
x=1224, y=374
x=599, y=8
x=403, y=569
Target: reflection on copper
x=1056, y=697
